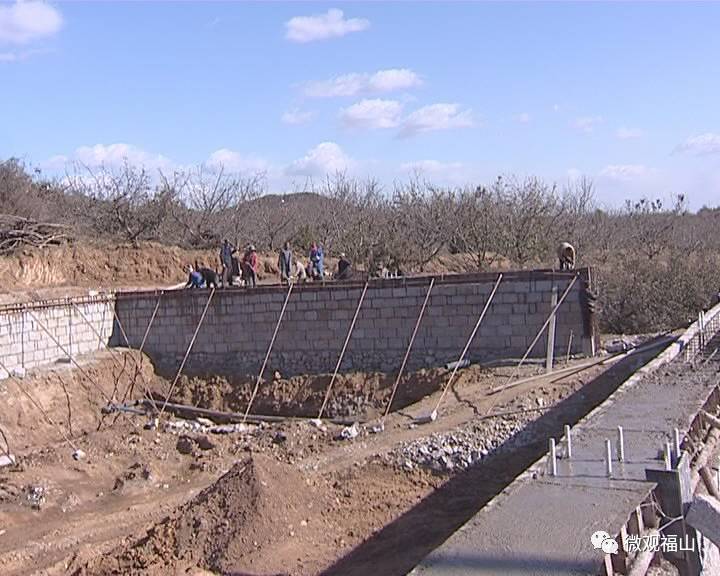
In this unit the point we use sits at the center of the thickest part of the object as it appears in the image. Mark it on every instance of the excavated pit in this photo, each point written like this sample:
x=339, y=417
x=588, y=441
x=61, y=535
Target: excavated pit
x=277, y=498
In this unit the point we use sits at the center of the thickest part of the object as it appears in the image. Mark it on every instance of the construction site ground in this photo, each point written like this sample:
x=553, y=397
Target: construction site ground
x=287, y=497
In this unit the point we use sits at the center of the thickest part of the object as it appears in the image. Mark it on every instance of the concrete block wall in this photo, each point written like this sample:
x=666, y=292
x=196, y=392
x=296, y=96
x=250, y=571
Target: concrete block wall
x=40, y=333
x=240, y=322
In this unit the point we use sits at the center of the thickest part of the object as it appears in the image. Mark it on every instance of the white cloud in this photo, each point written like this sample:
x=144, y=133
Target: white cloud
x=701, y=145
x=332, y=24
x=296, y=117
x=587, y=124
x=625, y=172
x=440, y=116
x=118, y=154
x=24, y=21
x=235, y=162
x=624, y=133
x=523, y=118
x=325, y=158
x=8, y=56
x=372, y=114
x=382, y=81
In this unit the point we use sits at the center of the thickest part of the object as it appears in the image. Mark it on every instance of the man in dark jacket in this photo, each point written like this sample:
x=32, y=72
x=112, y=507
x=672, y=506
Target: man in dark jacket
x=344, y=268
x=285, y=263
x=226, y=261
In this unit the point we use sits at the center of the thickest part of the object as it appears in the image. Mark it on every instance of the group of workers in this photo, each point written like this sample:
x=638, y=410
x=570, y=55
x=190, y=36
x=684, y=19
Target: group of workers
x=294, y=270
x=245, y=268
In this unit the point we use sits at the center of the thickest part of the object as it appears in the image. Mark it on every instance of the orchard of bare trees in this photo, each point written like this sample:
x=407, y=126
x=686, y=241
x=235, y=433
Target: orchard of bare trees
x=655, y=264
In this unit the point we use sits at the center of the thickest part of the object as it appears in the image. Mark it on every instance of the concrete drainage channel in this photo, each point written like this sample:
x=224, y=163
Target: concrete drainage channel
x=623, y=492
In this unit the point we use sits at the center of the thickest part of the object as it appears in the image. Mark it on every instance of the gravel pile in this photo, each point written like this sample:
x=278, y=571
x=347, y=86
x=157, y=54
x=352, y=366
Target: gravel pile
x=464, y=447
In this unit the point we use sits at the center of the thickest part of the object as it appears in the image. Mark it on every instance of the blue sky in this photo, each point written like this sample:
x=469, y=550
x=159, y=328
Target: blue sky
x=625, y=93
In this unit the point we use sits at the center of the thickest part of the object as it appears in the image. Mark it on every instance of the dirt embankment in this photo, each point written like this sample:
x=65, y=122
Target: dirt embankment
x=61, y=271
x=58, y=272
x=357, y=394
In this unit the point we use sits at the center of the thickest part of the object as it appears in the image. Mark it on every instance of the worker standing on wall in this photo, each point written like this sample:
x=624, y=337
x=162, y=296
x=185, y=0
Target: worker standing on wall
x=344, y=270
x=317, y=262
x=250, y=266
x=226, y=261
x=285, y=263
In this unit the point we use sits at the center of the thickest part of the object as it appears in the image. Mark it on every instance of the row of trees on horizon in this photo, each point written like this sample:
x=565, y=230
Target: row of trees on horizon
x=643, y=251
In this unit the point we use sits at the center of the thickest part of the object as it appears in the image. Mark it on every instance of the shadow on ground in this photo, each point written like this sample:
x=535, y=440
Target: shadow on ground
x=402, y=544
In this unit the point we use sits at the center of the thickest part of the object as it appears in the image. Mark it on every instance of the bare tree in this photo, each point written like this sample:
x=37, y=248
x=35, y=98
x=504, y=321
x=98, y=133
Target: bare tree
x=424, y=217
x=126, y=204
x=478, y=223
x=529, y=215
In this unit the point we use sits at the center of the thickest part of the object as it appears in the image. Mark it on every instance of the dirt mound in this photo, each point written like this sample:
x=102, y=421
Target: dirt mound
x=251, y=507
x=353, y=394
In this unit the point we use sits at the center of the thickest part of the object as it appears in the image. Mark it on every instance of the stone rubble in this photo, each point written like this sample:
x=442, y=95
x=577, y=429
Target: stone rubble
x=462, y=448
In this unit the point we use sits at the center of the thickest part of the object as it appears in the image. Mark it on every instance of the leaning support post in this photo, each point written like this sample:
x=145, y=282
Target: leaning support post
x=550, y=353
x=621, y=444
x=569, y=348
x=37, y=405
x=187, y=352
x=433, y=414
x=342, y=352
x=510, y=383
x=269, y=350
x=407, y=352
x=112, y=352
x=65, y=351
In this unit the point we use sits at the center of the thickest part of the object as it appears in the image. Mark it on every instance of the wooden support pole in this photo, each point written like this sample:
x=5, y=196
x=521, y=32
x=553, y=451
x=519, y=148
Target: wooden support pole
x=537, y=336
x=407, y=352
x=342, y=352
x=187, y=352
x=550, y=353
x=269, y=350
x=467, y=346
x=65, y=351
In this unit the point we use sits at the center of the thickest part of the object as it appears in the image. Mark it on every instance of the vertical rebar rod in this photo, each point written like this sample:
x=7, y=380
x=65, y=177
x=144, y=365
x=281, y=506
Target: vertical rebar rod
x=568, y=441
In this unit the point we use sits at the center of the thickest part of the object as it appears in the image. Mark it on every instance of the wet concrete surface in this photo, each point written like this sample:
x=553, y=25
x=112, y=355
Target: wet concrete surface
x=541, y=525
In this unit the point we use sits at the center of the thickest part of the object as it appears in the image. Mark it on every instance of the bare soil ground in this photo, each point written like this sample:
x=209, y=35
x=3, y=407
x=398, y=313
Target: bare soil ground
x=282, y=498
x=63, y=271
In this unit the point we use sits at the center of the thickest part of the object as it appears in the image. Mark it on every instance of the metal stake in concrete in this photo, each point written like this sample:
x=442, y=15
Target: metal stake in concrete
x=549, y=354
x=553, y=458
x=621, y=445
x=608, y=458
x=676, y=436
x=568, y=441
x=668, y=456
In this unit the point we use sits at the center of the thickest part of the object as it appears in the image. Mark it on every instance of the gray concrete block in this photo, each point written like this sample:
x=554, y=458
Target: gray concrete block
x=704, y=515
